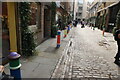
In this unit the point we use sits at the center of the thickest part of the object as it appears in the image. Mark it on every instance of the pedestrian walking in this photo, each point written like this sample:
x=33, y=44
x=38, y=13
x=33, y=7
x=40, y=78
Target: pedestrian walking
x=76, y=22
x=83, y=24
x=90, y=24
x=93, y=26
x=117, y=38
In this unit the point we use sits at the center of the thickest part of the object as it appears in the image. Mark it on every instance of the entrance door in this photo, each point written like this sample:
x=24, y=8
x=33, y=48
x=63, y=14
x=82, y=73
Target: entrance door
x=47, y=23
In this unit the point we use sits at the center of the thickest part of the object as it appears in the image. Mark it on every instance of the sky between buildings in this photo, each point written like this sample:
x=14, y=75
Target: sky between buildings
x=81, y=1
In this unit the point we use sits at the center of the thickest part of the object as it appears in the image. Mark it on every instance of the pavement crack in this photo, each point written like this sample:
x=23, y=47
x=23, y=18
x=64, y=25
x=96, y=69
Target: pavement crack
x=36, y=67
x=70, y=44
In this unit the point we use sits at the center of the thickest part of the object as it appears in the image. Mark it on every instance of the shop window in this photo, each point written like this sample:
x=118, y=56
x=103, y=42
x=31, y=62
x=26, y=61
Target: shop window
x=35, y=19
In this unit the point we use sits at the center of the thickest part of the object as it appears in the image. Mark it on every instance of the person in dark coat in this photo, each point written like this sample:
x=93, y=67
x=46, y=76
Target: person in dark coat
x=83, y=24
x=75, y=23
x=60, y=24
x=117, y=38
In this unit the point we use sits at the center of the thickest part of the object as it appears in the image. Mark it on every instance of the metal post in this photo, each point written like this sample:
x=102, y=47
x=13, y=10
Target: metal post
x=15, y=65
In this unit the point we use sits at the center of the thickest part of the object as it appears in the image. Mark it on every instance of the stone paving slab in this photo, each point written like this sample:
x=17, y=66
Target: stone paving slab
x=41, y=66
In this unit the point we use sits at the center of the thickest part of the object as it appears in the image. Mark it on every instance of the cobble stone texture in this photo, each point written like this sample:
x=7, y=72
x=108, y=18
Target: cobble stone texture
x=87, y=60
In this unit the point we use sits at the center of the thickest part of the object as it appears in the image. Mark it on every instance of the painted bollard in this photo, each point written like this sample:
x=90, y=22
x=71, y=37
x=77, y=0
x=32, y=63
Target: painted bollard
x=68, y=29
x=15, y=65
x=58, y=38
x=65, y=32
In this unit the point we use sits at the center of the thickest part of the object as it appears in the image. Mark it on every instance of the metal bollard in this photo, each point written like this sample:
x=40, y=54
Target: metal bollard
x=15, y=65
x=58, y=38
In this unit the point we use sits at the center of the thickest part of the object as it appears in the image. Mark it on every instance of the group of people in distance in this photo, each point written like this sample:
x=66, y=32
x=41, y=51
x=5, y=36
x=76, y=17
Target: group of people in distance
x=82, y=22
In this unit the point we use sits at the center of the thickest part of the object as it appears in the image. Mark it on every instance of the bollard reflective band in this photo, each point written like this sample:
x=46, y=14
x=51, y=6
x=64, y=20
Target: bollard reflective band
x=58, y=45
x=14, y=68
x=58, y=33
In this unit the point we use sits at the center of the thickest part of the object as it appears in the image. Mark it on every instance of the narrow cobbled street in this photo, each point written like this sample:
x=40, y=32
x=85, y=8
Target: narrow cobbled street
x=89, y=56
x=60, y=39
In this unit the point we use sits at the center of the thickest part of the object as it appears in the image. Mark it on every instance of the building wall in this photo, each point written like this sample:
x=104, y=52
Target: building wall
x=0, y=40
x=105, y=9
x=108, y=3
x=113, y=10
x=75, y=8
x=84, y=9
x=47, y=23
x=40, y=23
x=37, y=22
x=79, y=12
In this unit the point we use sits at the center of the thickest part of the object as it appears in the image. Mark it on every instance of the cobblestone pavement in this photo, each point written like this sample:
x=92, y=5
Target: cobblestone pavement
x=89, y=56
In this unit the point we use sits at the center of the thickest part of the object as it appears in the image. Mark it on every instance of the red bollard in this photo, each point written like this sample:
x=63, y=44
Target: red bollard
x=58, y=38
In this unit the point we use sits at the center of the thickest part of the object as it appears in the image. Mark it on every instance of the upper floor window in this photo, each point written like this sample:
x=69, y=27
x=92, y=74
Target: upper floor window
x=80, y=8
